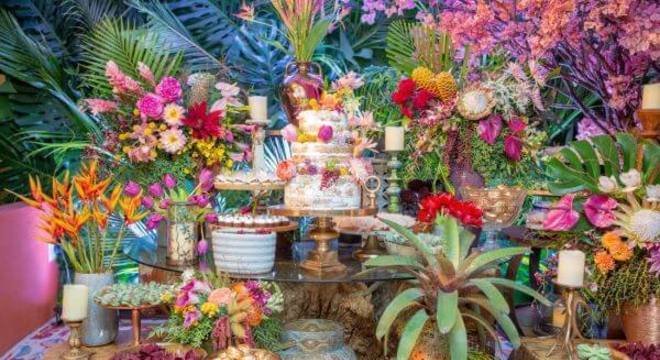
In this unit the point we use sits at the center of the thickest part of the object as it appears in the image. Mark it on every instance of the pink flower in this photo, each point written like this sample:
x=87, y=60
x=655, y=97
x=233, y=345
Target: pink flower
x=349, y=81
x=150, y=105
x=146, y=73
x=290, y=133
x=490, y=128
x=211, y=218
x=169, y=89
x=191, y=317
x=99, y=106
x=156, y=190
x=598, y=209
x=165, y=204
x=513, y=147
x=205, y=179
x=148, y=202
x=562, y=216
x=325, y=133
x=360, y=169
x=132, y=189
x=286, y=170
x=220, y=297
x=202, y=247
x=120, y=82
x=154, y=220
x=199, y=200
x=169, y=181
x=517, y=125
x=366, y=120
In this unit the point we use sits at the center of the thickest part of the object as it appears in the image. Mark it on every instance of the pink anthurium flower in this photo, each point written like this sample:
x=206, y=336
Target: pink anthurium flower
x=562, y=216
x=598, y=209
x=513, y=147
x=490, y=128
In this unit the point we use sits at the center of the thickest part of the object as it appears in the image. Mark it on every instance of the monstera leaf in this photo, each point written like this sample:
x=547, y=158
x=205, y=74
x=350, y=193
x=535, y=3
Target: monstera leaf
x=579, y=165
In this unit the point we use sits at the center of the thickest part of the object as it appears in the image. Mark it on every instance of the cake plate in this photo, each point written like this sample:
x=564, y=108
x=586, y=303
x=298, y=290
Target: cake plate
x=322, y=259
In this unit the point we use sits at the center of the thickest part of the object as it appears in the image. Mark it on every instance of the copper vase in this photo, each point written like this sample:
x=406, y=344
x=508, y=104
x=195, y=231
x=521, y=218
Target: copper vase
x=302, y=81
x=642, y=323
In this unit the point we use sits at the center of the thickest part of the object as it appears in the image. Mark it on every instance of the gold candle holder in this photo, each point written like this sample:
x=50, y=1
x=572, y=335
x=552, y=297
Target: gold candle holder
x=570, y=330
x=650, y=121
x=75, y=351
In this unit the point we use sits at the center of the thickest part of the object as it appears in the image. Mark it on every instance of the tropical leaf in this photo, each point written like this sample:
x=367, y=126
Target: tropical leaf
x=410, y=334
x=401, y=46
x=86, y=14
x=458, y=341
x=492, y=293
x=519, y=287
x=489, y=257
x=446, y=313
x=450, y=231
x=127, y=46
x=401, y=302
x=394, y=260
x=426, y=250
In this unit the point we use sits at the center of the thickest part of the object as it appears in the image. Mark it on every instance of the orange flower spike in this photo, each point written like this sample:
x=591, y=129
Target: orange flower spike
x=111, y=203
x=101, y=218
x=130, y=208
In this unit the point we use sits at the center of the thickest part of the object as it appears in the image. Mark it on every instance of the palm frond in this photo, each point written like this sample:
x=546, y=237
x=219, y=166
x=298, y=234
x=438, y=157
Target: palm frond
x=86, y=14
x=127, y=46
x=401, y=46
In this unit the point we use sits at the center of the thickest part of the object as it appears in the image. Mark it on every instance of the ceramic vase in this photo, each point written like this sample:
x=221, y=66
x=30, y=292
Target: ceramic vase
x=302, y=81
x=182, y=235
x=101, y=325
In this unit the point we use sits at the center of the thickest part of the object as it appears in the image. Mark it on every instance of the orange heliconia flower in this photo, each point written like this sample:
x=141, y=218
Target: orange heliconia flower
x=51, y=228
x=130, y=206
x=100, y=217
x=87, y=185
x=604, y=261
x=110, y=203
x=329, y=101
x=73, y=222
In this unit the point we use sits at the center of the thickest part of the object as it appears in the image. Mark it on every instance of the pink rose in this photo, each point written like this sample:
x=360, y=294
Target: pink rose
x=490, y=128
x=150, y=105
x=325, y=133
x=562, y=216
x=222, y=296
x=169, y=89
x=598, y=209
x=513, y=147
x=290, y=133
x=154, y=220
x=148, y=202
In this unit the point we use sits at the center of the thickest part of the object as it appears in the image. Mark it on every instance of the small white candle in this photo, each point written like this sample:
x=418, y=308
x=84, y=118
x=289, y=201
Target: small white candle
x=258, y=108
x=394, y=138
x=570, y=271
x=74, y=302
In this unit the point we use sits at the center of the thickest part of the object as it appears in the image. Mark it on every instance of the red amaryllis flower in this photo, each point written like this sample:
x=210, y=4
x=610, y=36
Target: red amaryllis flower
x=203, y=125
x=421, y=99
x=433, y=205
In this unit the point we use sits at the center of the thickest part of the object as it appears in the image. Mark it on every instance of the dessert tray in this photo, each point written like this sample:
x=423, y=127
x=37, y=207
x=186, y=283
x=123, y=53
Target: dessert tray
x=248, y=181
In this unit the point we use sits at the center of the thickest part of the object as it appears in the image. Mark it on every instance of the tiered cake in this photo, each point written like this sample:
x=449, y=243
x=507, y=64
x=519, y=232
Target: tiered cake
x=319, y=171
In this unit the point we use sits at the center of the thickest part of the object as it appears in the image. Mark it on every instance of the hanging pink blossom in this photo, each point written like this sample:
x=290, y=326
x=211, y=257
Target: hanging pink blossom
x=146, y=74
x=169, y=89
x=148, y=202
x=150, y=106
x=206, y=179
x=562, y=216
x=290, y=133
x=513, y=147
x=132, y=189
x=169, y=180
x=490, y=128
x=154, y=220
x=599, y=210
x=120, y=82
x=100, y=106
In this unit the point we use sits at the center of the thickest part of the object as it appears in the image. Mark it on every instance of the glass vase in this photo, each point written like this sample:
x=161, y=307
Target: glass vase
x=182, y=234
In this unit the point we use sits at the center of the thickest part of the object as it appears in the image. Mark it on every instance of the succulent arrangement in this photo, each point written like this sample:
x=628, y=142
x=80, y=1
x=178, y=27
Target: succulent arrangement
x=451, y=286
x=134, y=295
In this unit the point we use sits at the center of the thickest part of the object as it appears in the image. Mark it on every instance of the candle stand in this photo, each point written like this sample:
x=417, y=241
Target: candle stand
x=650, y=121
x=75, y=352
x=393, y=189
x=570, y=330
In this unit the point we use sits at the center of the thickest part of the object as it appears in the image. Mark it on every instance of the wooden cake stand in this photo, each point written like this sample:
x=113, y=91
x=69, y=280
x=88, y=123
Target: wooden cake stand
x=322, y=259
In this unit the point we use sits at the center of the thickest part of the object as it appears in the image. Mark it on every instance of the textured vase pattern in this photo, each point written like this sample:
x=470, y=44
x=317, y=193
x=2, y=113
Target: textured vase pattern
x=101, y=325
x=182, y=243
x=315, y=339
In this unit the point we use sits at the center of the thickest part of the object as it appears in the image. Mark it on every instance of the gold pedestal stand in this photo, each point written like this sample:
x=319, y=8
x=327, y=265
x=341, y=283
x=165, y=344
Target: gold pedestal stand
x=570, y=330
x=322, y=259
x=75, y=352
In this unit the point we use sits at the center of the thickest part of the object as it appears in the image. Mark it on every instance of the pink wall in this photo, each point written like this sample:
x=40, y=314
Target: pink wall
x=28, y=278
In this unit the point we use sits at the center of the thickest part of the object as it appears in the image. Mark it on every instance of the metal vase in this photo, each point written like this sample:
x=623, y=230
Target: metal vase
x=101, y=325
x=642, y=323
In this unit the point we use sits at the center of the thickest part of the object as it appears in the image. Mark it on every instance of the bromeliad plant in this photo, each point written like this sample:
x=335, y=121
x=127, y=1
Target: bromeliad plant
x=76, y=216
x=449, y=288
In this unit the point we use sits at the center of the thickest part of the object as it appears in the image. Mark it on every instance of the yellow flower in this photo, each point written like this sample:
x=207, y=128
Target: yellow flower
x=166, y=297
x=229, y=163
x=136, y=112
x=604, y=262
x=148, y=131
x=314, y=105
x=123, y=136
x=162, y=127
x=621, y=252
x=126, y=149
x=343, y=171
x=610, y=239
x=152, y=125
x=210, y=309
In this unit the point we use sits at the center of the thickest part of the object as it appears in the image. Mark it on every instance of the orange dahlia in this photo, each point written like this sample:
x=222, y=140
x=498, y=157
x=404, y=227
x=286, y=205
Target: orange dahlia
x=604, y=261
x=621, y=252
x=610, y=239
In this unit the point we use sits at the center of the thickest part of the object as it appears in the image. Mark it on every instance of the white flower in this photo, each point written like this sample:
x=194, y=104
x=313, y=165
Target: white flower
x=228, y=90
x=645, y=223
x=653, y=193
x=172, y=140
x=631, y=179
x=173, y=114
x=607, y=184
x=188, y=274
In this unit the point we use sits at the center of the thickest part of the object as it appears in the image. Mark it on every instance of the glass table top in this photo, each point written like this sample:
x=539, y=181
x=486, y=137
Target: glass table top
x=283, y=271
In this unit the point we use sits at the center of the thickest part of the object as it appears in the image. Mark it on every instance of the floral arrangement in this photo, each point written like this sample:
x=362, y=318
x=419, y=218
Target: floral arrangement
x=154, y=118
x=207, y=310
x=433, y=206
x=76, y=215
x=163, y=196
x=133, y=295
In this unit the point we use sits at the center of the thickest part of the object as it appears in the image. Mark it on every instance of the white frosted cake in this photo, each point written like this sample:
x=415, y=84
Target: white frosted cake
x=243, y=252
x=319, y=171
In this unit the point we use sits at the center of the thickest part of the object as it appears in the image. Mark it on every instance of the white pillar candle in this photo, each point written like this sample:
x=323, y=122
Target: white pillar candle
x=258, y=108
x=570, y=271
x=74, y=302
x=651, y=96
x=394, y=138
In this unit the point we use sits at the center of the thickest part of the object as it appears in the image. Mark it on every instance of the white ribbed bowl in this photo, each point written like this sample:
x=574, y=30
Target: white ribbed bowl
x=246, y=253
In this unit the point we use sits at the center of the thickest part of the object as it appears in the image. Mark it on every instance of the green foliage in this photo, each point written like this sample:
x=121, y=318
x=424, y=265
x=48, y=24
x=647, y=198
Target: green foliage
x=375, y=94
x=267, y=334
x=194, y=336
x=148, y=173
x=444, y=291
x=401, y=46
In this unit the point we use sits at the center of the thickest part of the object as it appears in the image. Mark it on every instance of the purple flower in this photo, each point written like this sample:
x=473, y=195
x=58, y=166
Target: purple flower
x=148, y=202
x=325, y=133
x=513, y=147
x=191, y=318
x=169, y=181
x=169, y=89
x=165, y=204
x=156, y=190
x=257, y=293
x=654, y=259
x=490, y=128
x=202, y=201
x=211, y=218
x=206, y=179
x=599, y=210
x=154, y=220
x=132, y=189
x=202, y=247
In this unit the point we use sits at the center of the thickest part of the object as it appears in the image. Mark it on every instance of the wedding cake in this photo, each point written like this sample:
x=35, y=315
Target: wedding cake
x=322, y=172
